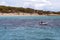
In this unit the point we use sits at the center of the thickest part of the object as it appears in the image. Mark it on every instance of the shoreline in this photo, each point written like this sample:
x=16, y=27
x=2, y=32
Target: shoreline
x=25, y=14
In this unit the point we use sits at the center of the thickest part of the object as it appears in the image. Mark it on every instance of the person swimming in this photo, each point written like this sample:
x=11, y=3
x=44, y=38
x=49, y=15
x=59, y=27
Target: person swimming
x=43, y=23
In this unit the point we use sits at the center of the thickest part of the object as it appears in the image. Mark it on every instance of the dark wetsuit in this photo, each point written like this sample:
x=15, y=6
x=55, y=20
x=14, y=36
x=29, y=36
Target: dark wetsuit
x=41, y=22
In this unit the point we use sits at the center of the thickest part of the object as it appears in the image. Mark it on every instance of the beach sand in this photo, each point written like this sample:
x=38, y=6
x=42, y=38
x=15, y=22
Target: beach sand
x=18, y=14
x=25, y=14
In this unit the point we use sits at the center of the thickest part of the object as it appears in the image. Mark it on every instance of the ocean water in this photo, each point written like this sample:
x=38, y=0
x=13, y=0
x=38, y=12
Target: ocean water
x=28, y=28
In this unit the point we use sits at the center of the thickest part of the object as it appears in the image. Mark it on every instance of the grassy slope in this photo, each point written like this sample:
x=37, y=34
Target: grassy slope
x=8, y=9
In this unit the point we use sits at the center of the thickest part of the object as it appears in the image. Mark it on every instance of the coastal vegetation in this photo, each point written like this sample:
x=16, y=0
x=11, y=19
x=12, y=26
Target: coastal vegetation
x=8, y=9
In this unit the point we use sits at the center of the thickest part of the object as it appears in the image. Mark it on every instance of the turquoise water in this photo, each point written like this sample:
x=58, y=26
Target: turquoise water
x=28, y=28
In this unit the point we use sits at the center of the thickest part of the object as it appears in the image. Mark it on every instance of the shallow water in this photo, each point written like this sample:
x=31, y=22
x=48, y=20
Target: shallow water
x=28, y=28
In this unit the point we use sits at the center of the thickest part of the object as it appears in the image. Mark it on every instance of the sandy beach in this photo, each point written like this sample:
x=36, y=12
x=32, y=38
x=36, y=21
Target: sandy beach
x=18, y=14
x=25, y=14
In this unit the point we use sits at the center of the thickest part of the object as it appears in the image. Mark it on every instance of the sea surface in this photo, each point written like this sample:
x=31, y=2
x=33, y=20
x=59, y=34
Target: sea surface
x=29, y=28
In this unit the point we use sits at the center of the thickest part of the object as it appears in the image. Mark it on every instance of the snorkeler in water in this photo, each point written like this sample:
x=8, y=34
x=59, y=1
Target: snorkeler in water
x=43, y=23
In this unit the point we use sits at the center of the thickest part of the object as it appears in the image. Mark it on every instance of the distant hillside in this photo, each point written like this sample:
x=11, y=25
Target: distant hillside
x=8, y=9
